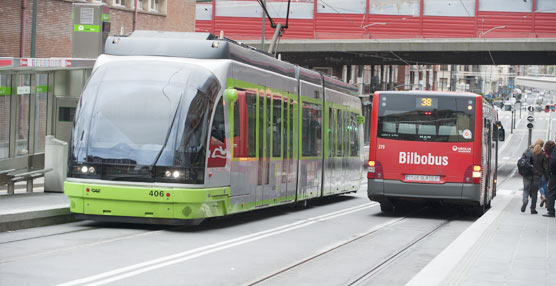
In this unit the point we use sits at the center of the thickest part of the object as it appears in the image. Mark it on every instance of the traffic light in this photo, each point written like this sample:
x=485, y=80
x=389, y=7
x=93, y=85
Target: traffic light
x=529, y=125
x=530, y=108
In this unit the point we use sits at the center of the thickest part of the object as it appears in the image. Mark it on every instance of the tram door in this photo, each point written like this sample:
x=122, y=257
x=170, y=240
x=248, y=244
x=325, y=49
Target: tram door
x=289, y=153
x=263, y=143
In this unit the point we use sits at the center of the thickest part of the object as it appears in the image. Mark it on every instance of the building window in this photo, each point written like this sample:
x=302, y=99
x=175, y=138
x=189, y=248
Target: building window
x=444, y=67
x=443, y=84
x=119, y=2
x=154, y=5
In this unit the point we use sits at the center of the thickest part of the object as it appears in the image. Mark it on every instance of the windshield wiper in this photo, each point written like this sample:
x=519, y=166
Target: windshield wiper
x=167, y=135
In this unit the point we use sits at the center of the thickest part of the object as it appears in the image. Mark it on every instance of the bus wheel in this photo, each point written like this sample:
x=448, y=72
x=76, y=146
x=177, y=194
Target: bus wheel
x=386, y=207
x=478, y=210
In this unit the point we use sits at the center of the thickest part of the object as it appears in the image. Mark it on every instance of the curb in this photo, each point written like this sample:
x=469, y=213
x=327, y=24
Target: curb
x=440, y=268
x=16, y=221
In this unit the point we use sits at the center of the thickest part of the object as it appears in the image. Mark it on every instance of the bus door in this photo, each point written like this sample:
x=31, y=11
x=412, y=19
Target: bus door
x=488, y=133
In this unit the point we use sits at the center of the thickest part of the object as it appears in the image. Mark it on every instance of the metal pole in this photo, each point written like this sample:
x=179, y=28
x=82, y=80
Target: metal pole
x=512, y=124
x=22, y=36
x=274, y=38
x=135, y=17
x=34, y=29
x=262, y=36
x=530, y=136
x=514, y=118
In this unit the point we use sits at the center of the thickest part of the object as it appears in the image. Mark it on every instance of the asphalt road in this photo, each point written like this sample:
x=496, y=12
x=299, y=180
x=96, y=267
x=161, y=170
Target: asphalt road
x=339, y=241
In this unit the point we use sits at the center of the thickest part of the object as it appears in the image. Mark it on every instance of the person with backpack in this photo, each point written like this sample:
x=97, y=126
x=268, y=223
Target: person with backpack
x=530, y=167
x=551, y=192
x=543, y=187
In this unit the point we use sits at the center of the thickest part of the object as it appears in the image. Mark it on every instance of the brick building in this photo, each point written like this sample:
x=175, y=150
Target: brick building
x=54, y=23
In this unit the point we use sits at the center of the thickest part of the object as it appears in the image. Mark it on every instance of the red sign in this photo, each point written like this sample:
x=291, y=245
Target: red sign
x=23, y=63
x=6, y=62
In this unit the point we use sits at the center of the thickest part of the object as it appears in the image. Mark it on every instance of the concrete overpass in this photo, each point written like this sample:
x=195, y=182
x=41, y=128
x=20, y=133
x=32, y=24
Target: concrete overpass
x=548, y=83
x=465, y=51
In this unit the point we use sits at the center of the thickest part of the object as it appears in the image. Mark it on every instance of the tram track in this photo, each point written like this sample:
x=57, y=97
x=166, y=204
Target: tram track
x=378, y=267
x=70, y=248
x=364, y=278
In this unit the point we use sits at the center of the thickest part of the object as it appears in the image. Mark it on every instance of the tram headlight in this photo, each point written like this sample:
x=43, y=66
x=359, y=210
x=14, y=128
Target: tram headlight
x=84, y=170
x=167, y=174
x=175, y=174
x=92, y=170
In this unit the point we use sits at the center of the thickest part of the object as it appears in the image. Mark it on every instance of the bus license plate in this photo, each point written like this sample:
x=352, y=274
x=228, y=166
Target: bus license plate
x=422, y=178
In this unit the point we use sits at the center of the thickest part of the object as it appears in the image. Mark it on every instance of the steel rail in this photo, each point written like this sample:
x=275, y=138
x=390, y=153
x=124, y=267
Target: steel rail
x=365, y=277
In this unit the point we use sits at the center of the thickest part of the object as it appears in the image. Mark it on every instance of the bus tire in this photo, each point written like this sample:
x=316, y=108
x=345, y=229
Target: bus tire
x=386, y=207
x=478, y=210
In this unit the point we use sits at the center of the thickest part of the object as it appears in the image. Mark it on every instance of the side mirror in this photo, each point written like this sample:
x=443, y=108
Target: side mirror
x=501, y=134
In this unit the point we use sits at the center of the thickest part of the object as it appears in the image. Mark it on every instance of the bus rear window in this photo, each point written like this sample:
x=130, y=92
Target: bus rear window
x=426, y=118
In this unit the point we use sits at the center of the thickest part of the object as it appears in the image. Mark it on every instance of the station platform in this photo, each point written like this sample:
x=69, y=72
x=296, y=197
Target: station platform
x=26, y=210
x=503, y=247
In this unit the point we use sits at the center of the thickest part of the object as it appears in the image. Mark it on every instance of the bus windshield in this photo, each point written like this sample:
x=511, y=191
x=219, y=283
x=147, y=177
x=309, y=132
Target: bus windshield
x=426, y=118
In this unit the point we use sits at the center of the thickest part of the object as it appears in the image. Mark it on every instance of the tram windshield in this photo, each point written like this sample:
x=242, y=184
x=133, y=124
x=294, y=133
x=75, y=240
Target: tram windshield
x=143, y=120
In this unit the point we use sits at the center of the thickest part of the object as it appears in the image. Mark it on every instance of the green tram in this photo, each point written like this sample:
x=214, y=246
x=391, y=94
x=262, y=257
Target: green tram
x=173, y=128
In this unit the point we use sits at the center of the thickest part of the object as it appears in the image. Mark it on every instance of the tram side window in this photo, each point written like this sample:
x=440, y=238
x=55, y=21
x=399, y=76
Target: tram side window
x=251, y=102
x=311, y=130
x=290, y=119
x=339, y=134
x=245, y=124
x=354, y=128
x=237, y=140
x=331, y=127
x=347, y=134
x=218, y=131
x=276, y=127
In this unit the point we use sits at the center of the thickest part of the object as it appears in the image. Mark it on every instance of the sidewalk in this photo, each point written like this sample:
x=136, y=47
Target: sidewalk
x=503, y=247
x=25, y=210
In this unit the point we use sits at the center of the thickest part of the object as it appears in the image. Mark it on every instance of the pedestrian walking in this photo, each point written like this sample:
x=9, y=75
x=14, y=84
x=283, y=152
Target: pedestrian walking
x=535, y=155
x=543, y=187
x=551, y=191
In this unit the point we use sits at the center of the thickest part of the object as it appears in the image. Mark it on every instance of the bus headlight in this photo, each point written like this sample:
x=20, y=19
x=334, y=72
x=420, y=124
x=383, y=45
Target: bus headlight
x=84, y=169
x=175, y=174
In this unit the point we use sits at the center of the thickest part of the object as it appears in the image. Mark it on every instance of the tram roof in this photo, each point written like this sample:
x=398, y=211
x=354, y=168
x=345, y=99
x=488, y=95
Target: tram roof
x=208, y=46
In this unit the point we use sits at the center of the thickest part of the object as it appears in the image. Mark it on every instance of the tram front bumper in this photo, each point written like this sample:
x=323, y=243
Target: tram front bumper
x=381, y=190
x=100, y=200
